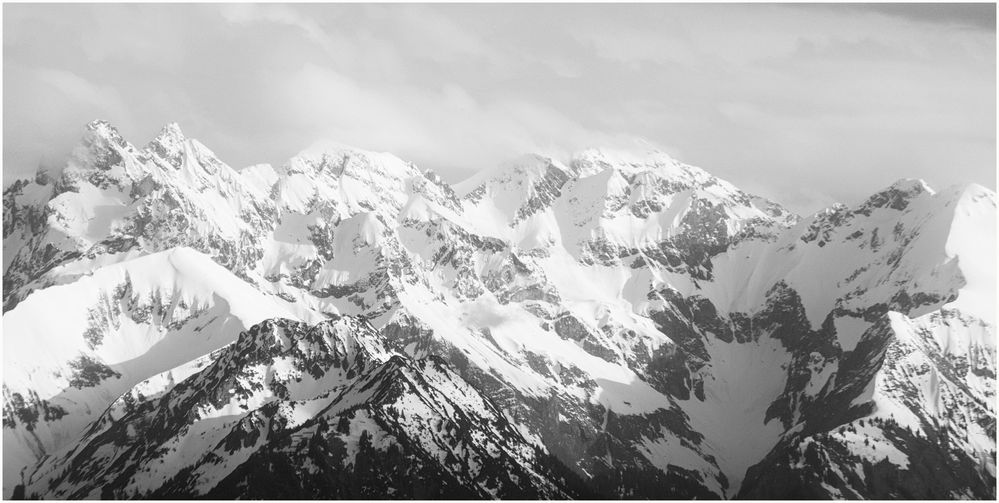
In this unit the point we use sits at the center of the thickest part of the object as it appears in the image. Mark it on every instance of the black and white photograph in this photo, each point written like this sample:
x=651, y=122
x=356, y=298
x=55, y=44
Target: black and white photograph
x=522, y=251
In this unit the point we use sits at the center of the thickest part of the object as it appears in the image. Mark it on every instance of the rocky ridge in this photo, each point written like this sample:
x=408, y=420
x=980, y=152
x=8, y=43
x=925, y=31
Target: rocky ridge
x=622, y=326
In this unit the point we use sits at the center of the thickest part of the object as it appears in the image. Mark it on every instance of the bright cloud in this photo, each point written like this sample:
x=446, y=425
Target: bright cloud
x=807, y=104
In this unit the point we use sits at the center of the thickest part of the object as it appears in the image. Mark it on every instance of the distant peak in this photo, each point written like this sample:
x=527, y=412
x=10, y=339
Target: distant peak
x=528, y=164
x=523, y=170
x=320, y=148
x=102, y=129
x=338, y=160
x=169, y=143
x=171, y=130
x=911, y=185
x=645, y=157
x=335, y=149
x=644, y=152
x=100, y=125
x=170, y=135
x=897, y=196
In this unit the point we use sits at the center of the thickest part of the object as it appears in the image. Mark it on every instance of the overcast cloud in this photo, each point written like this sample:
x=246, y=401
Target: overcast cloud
x=806, y=104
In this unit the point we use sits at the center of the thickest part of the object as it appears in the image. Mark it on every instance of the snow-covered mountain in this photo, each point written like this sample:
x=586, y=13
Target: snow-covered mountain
x=620, y=326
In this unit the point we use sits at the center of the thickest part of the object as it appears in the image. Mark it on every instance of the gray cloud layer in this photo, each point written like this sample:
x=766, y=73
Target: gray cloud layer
x=807, y=104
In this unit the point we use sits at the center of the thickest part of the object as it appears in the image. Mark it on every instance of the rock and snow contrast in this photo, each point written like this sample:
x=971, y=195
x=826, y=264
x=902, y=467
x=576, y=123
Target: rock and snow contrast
x=623, y=325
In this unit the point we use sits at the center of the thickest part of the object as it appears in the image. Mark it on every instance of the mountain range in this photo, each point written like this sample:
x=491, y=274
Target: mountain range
x=623, y=325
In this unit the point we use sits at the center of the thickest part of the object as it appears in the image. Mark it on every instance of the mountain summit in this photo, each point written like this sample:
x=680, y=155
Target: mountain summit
x=347, y=325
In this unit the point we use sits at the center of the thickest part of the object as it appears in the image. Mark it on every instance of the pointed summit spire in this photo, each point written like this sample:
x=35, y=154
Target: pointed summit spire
x=170, y=135
x=172, y=130
x=101, y=129
x=169, y=143
x=100, y=147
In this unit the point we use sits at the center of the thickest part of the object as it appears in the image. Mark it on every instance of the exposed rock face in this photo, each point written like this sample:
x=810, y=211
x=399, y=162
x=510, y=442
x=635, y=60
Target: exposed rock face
x=328, y=412
x=621, y=326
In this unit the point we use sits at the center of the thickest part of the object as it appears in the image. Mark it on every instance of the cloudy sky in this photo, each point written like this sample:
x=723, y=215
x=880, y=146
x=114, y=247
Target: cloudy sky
x=806, y=104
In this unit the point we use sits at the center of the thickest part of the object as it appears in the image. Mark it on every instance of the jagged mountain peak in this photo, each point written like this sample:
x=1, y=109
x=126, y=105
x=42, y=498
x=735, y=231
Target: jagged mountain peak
x=335, y=159
x=103, y=129
x=897, y=196
x=101, y=147
x=172, y=128
x=520, y=173
x=593, y=160
x=627, y=320
x=654, y=174
x=528, y=168
x=912, y=185
x=530, y=165
x=169, y=142
x=343, y=340
x=515, y=196
x=348, y=180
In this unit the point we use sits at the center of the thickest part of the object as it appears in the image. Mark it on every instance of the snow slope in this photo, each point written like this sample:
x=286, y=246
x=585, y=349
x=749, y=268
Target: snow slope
x=623, y=325
x=116, y=327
